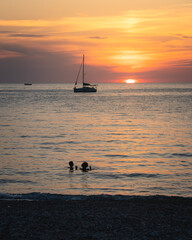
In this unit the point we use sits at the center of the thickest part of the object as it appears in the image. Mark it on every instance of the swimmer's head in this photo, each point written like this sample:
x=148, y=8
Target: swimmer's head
x=71, y=164
x=84, y=165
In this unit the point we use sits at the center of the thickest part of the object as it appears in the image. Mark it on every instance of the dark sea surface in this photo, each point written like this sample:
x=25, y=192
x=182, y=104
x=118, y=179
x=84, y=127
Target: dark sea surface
x=136, y=137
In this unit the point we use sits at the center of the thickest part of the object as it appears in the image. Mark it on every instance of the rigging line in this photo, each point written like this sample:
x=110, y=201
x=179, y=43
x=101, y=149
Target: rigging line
x=78, y=74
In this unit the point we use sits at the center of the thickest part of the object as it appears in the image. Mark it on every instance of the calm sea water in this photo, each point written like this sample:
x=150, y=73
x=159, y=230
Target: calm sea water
x=136, y=137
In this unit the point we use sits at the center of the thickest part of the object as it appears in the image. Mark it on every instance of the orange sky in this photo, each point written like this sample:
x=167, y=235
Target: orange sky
x=43, y=40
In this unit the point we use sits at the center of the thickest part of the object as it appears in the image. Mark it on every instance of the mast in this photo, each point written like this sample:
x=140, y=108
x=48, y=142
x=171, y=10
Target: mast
x=83, y=68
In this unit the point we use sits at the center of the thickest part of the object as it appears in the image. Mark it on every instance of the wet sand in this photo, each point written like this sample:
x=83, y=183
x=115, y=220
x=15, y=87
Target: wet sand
x=137, y=218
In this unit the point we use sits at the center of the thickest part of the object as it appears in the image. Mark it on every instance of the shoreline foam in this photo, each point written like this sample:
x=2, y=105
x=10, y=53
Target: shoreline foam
x=52, y=196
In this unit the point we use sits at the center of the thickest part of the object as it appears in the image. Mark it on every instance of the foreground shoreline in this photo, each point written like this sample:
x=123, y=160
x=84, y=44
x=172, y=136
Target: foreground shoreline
x=96, y=217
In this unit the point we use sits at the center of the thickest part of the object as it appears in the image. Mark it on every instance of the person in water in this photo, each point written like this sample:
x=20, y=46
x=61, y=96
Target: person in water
x=71, y=166
x=84, y=166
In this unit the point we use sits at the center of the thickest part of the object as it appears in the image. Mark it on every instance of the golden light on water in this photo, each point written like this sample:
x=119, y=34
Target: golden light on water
x=130, y=81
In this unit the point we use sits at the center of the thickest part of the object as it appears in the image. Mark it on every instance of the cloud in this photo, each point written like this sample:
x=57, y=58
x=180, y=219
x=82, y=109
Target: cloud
x=46, y=49
x=5, y=32
x=97, y=37
x=171, y=75
x=182, y=36
x=28, y=35
x=37, y=66
x=16, y=48
x=183, y=63
x=51, y=67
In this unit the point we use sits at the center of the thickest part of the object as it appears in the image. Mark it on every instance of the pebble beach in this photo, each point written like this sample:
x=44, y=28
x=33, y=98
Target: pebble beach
x=96, y=218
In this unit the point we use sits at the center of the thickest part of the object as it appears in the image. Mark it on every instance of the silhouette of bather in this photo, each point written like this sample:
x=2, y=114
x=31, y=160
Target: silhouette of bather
x=84, y=166
x=71, y=165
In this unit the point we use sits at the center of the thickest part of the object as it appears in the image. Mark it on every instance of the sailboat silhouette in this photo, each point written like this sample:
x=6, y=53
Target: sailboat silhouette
x=87, y=87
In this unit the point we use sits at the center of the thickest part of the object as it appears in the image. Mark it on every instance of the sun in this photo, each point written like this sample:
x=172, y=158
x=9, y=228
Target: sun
x=130, y=81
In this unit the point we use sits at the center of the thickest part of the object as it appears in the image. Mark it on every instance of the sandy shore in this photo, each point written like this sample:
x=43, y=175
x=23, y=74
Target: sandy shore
x=97, y=219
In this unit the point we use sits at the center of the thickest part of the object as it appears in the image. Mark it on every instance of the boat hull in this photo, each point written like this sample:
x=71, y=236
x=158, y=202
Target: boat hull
x=85, y=89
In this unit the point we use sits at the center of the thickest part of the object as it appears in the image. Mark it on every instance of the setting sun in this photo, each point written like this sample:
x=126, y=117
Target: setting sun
x=130, y=81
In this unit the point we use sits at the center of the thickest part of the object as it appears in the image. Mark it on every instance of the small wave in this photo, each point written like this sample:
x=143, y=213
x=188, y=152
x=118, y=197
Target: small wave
x=43, y=137
x=116, y=134
x=111, y=141
x=116, y=155
x=63, y=142
x=25, y=136
x=182, y=154
x=147, y=175
x=171, y=155
x=45, y=147
x=42, y=196
x=5, y=181
x=48, y=143
x=129, y=175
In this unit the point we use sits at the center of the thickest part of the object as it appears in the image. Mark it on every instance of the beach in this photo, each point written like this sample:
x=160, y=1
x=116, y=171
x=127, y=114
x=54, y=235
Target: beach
x=98, y=217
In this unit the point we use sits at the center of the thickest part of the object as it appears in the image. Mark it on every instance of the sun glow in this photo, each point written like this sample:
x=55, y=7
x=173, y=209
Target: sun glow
x=142, y=40
x=130, y=81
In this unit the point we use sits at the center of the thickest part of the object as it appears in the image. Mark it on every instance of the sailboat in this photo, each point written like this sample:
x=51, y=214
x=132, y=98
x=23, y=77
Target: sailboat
x=87, y=87
x=28, y=84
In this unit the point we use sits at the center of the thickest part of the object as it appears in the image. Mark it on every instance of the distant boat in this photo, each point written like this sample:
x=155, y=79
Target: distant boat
x=27, y=83
x=87, y=87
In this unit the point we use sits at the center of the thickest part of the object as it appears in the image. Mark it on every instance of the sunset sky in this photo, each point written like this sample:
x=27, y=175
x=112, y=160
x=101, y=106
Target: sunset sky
x=42, y=41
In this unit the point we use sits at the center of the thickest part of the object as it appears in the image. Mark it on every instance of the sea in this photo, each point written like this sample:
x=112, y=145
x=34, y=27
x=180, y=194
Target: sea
x=137, y=138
